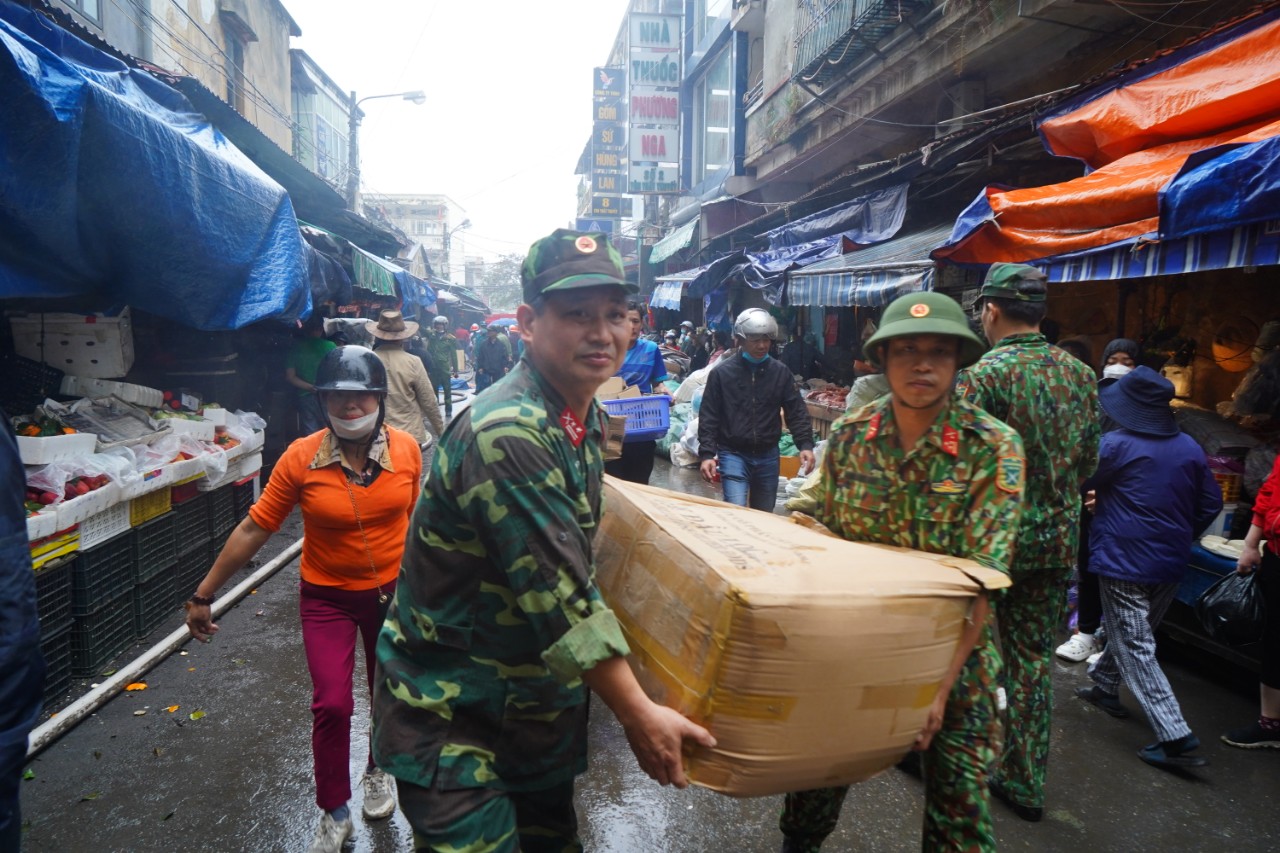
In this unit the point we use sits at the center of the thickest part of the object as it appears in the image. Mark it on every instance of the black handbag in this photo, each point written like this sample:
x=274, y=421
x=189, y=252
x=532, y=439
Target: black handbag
x=1232, y=610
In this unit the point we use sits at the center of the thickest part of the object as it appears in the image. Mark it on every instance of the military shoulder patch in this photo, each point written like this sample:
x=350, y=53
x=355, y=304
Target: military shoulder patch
x=1010, y=471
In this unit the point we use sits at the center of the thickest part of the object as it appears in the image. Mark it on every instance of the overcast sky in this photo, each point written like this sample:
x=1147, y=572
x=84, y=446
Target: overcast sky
x=508, y=85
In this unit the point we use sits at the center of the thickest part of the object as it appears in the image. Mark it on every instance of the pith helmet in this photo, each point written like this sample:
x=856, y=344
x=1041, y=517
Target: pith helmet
x=351, y=368
x=925, y=314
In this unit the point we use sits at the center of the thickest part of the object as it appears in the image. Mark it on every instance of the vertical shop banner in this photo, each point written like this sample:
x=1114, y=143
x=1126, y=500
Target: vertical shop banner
x=608, y=142
x=655, y=69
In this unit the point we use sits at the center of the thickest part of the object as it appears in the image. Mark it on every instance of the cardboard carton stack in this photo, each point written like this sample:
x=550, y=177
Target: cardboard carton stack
x=812, y=660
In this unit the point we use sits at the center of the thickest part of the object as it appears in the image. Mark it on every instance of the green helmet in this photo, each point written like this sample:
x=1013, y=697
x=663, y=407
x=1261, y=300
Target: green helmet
x=925, y=314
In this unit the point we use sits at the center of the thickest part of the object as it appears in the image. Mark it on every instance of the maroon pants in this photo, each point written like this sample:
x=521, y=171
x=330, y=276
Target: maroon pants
x=330, y=620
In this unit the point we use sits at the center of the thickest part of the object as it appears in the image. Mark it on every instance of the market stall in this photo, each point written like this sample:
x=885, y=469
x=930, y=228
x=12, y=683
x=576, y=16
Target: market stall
x=130, y=490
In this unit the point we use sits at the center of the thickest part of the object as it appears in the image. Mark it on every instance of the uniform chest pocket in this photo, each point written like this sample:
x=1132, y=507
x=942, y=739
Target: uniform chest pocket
x=941, y=508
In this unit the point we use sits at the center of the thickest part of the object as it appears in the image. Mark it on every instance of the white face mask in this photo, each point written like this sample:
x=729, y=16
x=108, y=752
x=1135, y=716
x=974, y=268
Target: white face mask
x=354, y=429
x=1115, y=371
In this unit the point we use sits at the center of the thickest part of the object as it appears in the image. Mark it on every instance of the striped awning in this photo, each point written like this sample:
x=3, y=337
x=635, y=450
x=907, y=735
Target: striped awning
x=1254, y=245
x=670, y=288
x=871, y=277
x=673, y=242
x=373, y=273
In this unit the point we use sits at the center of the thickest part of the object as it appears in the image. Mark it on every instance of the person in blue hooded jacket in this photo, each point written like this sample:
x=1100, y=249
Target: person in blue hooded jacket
x=21, y=664
x=1152, y=495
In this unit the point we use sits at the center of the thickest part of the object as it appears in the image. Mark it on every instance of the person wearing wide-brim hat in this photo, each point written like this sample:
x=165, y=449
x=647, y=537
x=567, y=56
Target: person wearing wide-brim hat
x=498, y=634
x=1152, y=496
x=1051, y=399
x=411, y=396
x=938, y=474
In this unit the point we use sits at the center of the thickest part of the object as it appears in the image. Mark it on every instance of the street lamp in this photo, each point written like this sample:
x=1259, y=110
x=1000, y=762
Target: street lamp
x=353, y=146
x=448, y=243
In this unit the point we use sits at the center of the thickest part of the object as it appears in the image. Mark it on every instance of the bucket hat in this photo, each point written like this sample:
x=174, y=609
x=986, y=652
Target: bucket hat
x=924, y=314
x=1139, y=401
x=565, y=260
x=391, y=326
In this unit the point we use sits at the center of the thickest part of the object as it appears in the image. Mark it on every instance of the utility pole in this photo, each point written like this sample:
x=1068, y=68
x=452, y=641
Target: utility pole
x=353, y=140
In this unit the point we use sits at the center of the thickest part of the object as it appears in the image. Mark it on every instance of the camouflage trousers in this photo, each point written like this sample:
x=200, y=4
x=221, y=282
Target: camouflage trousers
x=957, y=809
x=484, y=820
x=1029, y=614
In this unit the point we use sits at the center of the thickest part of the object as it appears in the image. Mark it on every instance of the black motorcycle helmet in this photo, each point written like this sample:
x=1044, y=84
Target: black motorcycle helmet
x=352, y=368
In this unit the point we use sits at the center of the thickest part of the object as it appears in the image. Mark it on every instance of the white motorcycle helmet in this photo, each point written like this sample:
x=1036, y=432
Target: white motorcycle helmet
x=755, y=321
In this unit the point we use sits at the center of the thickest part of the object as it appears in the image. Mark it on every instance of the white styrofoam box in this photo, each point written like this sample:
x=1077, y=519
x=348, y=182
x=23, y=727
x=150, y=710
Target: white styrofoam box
x=199, y=430
x=39, y=450
x=83, y=344
x=249, y=465
x=85, y=386
x=43, y=523
x=151, y=480
x=100, y=527
x=185, y=469
x=220, y=417
x=255, y=443
x=233, y=473
x=78, y=509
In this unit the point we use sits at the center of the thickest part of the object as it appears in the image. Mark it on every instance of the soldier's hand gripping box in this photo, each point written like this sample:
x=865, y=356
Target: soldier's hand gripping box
x=812, y=660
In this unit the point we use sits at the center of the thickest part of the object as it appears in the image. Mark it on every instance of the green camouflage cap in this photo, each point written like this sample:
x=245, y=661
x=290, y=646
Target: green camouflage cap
x=1005, y=281
x=924, y=314
x=570, y=259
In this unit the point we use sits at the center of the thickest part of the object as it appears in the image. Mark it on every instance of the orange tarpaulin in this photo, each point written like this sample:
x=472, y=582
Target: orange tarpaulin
x=1136, y=137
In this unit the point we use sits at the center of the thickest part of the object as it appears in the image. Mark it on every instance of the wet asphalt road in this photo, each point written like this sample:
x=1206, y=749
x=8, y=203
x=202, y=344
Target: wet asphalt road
x=239, y=778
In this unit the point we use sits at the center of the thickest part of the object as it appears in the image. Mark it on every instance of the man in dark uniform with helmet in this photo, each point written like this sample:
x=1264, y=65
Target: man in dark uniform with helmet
x=738, y=425
x=920, y=469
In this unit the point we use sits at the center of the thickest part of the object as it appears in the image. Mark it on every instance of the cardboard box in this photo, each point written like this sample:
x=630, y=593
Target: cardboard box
x=616, y=388
x=811, y=659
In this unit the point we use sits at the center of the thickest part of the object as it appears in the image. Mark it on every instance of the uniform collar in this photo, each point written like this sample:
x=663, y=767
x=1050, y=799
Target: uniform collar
x=1023, y=338
x=329, y=452
x=943, y=433
x=556, y=403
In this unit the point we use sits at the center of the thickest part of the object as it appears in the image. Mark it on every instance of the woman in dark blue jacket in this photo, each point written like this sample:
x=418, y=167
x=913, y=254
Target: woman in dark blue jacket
x=1153, y=494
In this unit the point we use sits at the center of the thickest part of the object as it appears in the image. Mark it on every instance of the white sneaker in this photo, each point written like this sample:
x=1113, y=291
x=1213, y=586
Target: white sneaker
x=379, y=794
x=330, y=835
x=1079, y=647
x=1093, y=658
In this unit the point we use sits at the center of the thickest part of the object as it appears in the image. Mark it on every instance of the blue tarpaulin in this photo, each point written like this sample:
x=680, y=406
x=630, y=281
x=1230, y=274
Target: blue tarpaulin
x=113, y=186
x=1221, y=188
x=867, y=219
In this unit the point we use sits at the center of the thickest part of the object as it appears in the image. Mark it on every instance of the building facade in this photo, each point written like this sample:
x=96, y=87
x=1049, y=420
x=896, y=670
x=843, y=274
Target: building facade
x=431, y=220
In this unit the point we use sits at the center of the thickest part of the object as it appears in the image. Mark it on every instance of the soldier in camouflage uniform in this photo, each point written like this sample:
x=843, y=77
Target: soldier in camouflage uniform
x=497, y=630
x=441, y=346
x=1051, y=399
x=920, y=469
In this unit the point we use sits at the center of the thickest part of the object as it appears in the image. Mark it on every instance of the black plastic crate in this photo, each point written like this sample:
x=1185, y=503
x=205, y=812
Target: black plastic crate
x=154, y=547
x=53, y=592
x=222, y=513
x=101, y=574
x=153, y=601
x=191, y=569
x=191, y=524
x=242, y=495
x=99, y=637
x=27, y=383
x=55, y=646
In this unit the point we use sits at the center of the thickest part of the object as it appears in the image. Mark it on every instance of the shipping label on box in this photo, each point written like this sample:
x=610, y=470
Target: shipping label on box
x=812, y=660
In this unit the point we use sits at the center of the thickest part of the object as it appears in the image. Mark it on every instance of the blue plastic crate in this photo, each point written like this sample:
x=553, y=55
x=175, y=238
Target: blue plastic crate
x=647, y=417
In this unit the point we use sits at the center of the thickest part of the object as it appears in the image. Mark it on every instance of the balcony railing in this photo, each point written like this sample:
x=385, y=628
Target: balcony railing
x=831, y=33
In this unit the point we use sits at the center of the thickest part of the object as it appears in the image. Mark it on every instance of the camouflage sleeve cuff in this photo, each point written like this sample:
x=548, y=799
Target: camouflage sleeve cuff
x=594, y=639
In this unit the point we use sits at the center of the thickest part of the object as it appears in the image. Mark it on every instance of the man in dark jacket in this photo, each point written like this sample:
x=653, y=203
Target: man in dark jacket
x=493, y=357
x=21, y=665
x=1152, y=495
x=738, y=424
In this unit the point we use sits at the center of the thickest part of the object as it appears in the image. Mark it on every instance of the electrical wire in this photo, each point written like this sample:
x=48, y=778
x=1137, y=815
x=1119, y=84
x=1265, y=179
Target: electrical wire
x=1128, y=11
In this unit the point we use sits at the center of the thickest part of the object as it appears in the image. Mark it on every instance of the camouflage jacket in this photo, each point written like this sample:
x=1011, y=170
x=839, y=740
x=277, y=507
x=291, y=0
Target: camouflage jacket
x=440, y=349
x=958, y=491
x=1051, y=399
x=496, y=613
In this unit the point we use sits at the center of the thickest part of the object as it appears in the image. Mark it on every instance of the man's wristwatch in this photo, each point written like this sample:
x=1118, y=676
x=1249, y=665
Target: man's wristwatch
x=196, y=598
